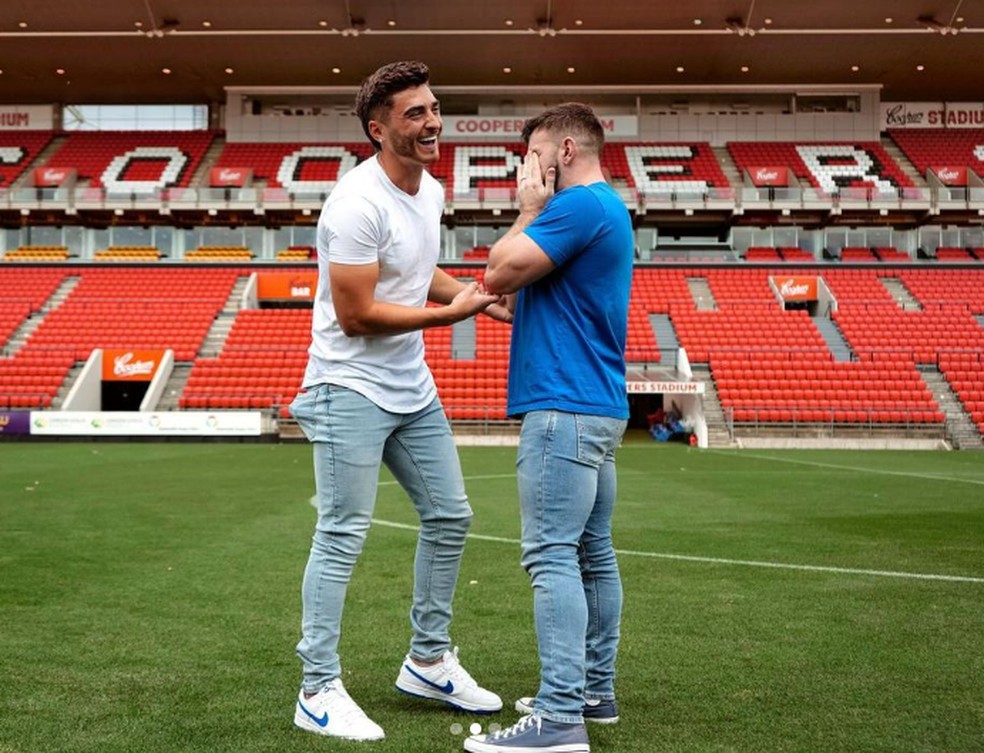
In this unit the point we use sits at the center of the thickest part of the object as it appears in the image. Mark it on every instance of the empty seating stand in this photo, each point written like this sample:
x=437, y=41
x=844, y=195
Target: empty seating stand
x=932, y=148
x=38, y=253
x=297, y=253
x=128, y=254
x=220, y=253
x=830, y=166
x=261, y=365
x=19, y=149
x=134, y=308
x=133, y=161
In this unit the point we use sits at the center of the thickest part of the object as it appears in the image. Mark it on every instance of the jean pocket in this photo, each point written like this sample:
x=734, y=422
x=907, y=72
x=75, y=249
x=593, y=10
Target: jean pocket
x=597, y=437
x=308, y=408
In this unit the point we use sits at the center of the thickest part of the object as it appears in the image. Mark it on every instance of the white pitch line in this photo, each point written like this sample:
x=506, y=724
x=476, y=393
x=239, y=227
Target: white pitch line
x=722, y=561
x=876, y=471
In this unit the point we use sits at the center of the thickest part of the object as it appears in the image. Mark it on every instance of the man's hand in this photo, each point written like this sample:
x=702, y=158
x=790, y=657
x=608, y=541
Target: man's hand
x=502, y=310
x=470, y=300
x=533, y=186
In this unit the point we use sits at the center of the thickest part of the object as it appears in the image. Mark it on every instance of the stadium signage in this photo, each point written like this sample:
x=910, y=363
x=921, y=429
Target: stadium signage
x=796, y=288
x=664, y=388
x=26, y=117
x=470, y=126
x=278, y=286
x=230, y=176
x=130, y=365
x=52, y=176
x=146, y=424
x=769, y=176
x=15, y=422
x=951, y=176
x=932, y=114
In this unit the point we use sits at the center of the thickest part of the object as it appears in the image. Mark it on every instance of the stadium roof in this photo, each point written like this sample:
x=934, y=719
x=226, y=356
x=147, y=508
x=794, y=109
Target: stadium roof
x=113, y=51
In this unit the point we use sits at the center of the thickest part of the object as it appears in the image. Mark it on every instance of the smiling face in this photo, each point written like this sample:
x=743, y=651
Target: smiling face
x=409, y=130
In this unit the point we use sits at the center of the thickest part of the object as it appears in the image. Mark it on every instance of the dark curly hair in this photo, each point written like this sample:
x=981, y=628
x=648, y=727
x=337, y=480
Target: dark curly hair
x=570, y=118
x=376, y=92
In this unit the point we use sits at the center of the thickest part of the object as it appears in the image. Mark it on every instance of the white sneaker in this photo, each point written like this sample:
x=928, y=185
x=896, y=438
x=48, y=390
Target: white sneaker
x=449, y=682
x=331, y=711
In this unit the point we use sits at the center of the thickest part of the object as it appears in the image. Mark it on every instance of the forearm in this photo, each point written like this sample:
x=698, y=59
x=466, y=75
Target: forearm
x=443, y=287
x=382, y=318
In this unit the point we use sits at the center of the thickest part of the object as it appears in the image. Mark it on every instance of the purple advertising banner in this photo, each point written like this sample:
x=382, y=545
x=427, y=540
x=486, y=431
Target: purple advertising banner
x=15, y=422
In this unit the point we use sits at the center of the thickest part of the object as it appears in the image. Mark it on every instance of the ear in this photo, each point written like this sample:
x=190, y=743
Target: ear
x=376, y=130
x=568, y=149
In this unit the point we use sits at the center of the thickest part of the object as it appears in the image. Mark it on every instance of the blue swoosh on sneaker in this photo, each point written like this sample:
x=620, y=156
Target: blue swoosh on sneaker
x=321, y=721
x=447, y=687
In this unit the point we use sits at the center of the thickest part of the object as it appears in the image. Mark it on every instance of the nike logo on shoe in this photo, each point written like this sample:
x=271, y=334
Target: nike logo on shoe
x=321, y=721
x=447, y=687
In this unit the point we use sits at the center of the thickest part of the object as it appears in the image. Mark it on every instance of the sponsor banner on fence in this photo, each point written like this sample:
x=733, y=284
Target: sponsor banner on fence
x=664, y=388
x=951, y=176
x=281, y=286
x=15, y=422
x=26, y=117
x=932, y=115
x=220, y=177
x=796, y=287
x=146, y=424
x=510, y=127
x=770, y=175
x=121, y=365
x=47, y=177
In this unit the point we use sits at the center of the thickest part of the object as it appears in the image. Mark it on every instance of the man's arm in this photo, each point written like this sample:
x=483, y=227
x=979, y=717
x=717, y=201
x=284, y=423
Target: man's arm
x=445, y=287
x=353, y=292
x=516, y=260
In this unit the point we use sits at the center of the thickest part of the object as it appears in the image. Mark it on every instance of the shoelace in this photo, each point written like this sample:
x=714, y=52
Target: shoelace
x=457, y=672
x=524, y=723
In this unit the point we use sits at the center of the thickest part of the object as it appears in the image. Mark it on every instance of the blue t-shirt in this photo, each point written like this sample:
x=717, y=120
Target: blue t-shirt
x=568, y=336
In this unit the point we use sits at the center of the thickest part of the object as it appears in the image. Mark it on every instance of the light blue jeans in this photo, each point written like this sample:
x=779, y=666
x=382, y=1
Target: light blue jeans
x=352, y=436
x=567, y=487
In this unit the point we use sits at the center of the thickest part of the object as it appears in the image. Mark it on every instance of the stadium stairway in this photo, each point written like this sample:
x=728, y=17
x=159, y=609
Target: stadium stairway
x=700, y=291
x=900, y=293
x=728, y=166
x=904, y=162
x=834, y=338
x=219, y=331
x=666, y=339
x=20, y=336
x=58, y=400
x=959, y=427
x=26, y=178
x=175, y=386
x=718, y=434
x=201, y=177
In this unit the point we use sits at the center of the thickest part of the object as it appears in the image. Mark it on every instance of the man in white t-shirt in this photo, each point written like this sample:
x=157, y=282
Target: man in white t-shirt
x=369, y=398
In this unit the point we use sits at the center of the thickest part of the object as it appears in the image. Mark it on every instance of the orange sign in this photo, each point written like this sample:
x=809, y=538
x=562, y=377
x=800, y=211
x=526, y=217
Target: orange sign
x=281, y=286
x=121, y=365
x=796, y=288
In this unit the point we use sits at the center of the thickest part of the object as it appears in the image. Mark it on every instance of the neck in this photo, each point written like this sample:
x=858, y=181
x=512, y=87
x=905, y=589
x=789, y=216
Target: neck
x=582, y=174
x=404, y=175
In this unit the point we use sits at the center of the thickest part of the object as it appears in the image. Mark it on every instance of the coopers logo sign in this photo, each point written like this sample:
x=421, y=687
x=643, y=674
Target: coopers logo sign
x=230, y=176
x=470, y=126
x=769, y=176
x=796, y=288
x=279, y=286
x=951, y=176
x=130, y=365
x=932, y=115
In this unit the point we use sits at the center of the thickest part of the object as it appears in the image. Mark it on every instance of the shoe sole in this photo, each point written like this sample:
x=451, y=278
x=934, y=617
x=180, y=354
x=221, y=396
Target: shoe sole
x=522, y=708
x=435, y=695
x=480, y=746
x=302, y=722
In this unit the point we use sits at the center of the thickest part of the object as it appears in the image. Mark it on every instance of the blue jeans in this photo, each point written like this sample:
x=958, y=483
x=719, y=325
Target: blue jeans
x=352, y=436
x=567, y=486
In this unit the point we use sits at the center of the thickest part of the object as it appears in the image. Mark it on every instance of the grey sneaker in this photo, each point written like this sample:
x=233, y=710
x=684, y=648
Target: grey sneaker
x=596, y=711
x=532, y=734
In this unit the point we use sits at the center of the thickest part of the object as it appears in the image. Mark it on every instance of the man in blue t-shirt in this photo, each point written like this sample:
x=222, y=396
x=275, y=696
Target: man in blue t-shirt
x=569, y=255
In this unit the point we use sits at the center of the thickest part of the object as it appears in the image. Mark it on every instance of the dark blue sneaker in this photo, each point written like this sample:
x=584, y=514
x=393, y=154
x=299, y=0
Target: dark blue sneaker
x=532, y=734
x=599, y=712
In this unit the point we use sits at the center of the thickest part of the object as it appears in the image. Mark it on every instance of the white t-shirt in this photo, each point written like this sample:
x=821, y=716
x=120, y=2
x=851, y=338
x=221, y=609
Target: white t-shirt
x=367, y=220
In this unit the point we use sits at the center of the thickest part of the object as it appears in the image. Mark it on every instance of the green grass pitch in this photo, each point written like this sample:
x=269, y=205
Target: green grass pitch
x=149, y=601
